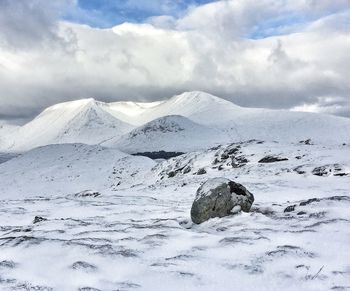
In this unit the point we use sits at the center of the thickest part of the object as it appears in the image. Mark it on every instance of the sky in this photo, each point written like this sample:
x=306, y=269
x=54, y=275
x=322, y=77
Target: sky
x=283, y=54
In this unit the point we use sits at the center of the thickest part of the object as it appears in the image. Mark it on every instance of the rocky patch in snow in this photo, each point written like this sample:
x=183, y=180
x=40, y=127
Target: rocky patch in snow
x=332, y=169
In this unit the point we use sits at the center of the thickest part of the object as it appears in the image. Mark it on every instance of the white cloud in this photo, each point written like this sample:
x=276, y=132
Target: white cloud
x=207, y=49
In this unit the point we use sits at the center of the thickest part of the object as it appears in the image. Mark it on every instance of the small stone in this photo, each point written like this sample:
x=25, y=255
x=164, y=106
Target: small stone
x=301, y=213
x=171, y=174
x=290, y=208
x=201, y=171
x=87, y=193
x=38, y=219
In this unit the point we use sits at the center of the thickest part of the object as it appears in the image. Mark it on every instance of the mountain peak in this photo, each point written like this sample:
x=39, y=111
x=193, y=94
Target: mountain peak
x=72, y=104
x=200, y=97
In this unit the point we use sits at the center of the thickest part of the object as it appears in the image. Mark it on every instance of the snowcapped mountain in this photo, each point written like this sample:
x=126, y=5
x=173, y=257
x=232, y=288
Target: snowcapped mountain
x=82, y=121
x=198, y=106
x=241, y=123
x=206, y=120
x=172, y=133
x=69, y=168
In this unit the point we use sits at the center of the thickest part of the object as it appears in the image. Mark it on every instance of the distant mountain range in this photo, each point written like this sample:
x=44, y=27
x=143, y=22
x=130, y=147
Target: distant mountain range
x=187, y=122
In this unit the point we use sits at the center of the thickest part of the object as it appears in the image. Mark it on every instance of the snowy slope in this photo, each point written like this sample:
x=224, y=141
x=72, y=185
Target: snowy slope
x=241, y=123
x=198, y=106
x=6, y=131
x=139, y=236
x=69, y=168
x=70, y=122
x=172, y=133
x=129, y=111
x=252, y=123
x=287, y=126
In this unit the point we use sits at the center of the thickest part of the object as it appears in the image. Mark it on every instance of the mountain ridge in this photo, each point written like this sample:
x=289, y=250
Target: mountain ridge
x=94, y=122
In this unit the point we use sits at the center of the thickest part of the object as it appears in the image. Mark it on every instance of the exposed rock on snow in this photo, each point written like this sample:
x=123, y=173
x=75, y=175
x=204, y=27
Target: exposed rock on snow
x=272, y=159
x=307, y=141
x=159, y=155
x=201, y=171
x=289, y=208
x=217, y=197
x=38, y=219
x=326, y=170
x=87, y=193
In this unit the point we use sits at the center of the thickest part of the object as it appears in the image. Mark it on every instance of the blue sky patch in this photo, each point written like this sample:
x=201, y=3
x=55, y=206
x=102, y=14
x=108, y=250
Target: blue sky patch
x=108, y=13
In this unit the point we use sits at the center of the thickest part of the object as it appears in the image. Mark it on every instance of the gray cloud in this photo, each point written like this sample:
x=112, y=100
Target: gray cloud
x=204, y=50
x=29, y=23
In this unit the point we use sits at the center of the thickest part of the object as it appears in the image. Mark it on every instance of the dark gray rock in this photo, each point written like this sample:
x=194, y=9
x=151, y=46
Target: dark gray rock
x=187, y=169
x=239, y=161
x=326, y=170
x=307, y=141
x=290, y=208
x=87, y=193
x=171, y=174
x=38, y=219
x=219, y=197
x=322, y=171
x=86, y=267
x=7, y=264
x=309, y=201
x=299, y=170
x=272, y=159
x=201, y=171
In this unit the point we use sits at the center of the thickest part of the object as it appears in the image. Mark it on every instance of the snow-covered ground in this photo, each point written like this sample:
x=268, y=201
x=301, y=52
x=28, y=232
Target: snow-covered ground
x=137, y=234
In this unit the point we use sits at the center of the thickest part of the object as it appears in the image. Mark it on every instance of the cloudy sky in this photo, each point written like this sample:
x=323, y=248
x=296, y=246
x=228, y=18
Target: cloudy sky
x=292, y=54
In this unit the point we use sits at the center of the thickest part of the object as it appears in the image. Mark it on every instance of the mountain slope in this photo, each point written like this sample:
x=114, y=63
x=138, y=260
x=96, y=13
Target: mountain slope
x=70, y=168
x=6, y=131
x=241, y=123
x=70, y=122
x=198, y=106
x=92, y=122
x=287, y=126
x=168, y=133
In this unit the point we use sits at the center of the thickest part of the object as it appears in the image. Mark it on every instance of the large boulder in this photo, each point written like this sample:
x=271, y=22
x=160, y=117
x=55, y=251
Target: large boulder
x=219, y=197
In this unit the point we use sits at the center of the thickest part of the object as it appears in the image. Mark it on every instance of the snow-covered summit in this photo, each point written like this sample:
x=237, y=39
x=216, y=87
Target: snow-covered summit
x=94, y=122
x=168, y=133
x=198, y=106
x=70, y=122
